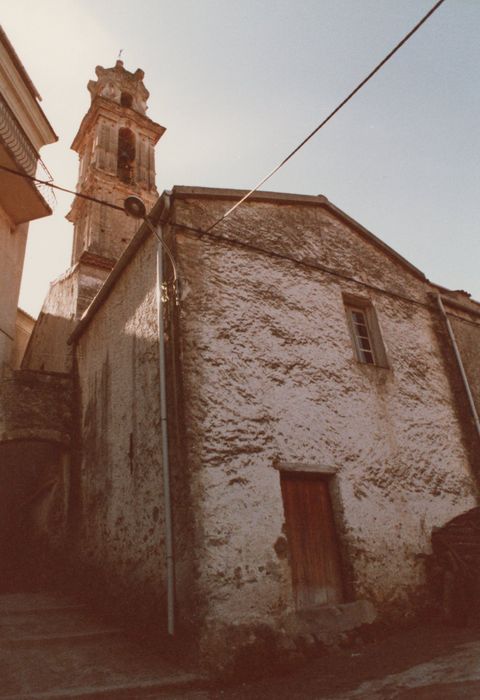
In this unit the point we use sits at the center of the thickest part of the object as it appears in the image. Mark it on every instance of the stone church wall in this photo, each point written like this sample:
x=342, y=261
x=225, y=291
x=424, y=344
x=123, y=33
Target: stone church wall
x=67, y=299
x=47, y=349
x=35, y=406
x=262, y=374
x=120, y=532
x=270, y=377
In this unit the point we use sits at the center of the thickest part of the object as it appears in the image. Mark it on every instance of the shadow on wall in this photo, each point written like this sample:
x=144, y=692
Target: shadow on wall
x=47, y=349
x=33, y=511
x=117, y=513
x=35, y=405
x=35, y=430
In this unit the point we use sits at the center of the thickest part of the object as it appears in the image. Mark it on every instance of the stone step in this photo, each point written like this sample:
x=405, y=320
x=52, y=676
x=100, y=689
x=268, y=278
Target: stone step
x=83, y=666
x=42, y=618
x=51, y=647
x=169, y=687
x=12, y=603
x=50, y=624
x=18, y=640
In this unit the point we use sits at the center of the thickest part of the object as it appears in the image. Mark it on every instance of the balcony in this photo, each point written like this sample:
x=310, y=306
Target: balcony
x=19, y=197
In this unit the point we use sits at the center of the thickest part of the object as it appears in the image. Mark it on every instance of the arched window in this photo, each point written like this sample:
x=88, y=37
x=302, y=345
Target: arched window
x=126, y=155
x=126, y=99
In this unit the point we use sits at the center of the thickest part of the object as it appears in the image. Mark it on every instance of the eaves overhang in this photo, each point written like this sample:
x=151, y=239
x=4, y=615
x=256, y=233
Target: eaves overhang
x=458, y=299
x=22, y=96
x=18, y=64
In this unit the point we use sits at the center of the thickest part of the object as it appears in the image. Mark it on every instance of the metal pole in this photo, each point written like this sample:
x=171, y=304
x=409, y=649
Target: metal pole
x=164, y=434
x=460, y=364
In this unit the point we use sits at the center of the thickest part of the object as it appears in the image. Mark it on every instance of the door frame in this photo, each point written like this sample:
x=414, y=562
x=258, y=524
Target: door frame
x=329, y=474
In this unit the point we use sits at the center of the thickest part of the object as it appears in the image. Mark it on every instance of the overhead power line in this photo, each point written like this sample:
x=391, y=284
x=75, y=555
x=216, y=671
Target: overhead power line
x=47, y=183
x=277, y=168
x=103, y=202
x=332, y=114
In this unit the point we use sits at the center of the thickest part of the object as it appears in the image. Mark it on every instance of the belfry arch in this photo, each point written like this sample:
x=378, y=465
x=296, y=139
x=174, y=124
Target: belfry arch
x=126, y=152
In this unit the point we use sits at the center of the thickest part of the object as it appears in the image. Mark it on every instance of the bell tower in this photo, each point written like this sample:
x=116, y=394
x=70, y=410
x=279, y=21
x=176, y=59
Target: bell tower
x=115, y=144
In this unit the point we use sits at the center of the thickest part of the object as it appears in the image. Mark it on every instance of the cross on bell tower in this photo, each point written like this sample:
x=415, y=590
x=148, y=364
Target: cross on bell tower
x=115, y=144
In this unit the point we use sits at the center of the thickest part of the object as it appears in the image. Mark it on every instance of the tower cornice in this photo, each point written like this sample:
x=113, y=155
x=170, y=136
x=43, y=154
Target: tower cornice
x=111, y=110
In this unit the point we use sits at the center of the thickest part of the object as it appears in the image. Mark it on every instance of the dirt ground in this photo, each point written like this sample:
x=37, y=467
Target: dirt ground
x=54, y=646
x=433, y=662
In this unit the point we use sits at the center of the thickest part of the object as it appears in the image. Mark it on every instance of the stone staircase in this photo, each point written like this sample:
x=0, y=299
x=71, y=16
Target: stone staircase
x=54, y=647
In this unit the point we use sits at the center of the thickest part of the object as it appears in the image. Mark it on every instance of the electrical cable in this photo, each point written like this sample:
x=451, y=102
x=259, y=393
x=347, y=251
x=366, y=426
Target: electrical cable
x=327, y=119
x=203, y=232
x=92, y=199
x=62, y=189
x=277, y=167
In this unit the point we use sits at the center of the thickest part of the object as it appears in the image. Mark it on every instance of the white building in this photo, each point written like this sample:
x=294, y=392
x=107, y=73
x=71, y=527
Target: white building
x=24, y=129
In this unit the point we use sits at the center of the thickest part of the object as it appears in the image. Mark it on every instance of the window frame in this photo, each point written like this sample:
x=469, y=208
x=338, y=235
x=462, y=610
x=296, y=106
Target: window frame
x=364, y=306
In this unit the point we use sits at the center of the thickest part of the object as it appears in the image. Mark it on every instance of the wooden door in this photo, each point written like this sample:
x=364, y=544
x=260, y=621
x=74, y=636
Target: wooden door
x=314, y=555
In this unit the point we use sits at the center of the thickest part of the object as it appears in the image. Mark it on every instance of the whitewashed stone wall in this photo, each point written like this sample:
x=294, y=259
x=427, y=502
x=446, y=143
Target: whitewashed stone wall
x=67, y=299
x=265, y=373
x=121, y=531
x=47, y=349
x=270, y=375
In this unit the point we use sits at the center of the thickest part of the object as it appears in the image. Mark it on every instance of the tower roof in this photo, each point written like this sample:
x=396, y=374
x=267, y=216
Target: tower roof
x=119, y=85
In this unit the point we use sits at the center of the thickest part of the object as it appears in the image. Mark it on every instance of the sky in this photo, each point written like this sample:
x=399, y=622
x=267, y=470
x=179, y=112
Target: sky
x=239, y=84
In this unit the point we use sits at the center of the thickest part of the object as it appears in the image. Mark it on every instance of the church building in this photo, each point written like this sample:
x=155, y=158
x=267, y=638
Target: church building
x=267, y=418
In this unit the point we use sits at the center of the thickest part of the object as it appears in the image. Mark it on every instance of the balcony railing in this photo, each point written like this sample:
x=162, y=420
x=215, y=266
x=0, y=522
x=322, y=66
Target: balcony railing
x=21, y=150
x=47, y=192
